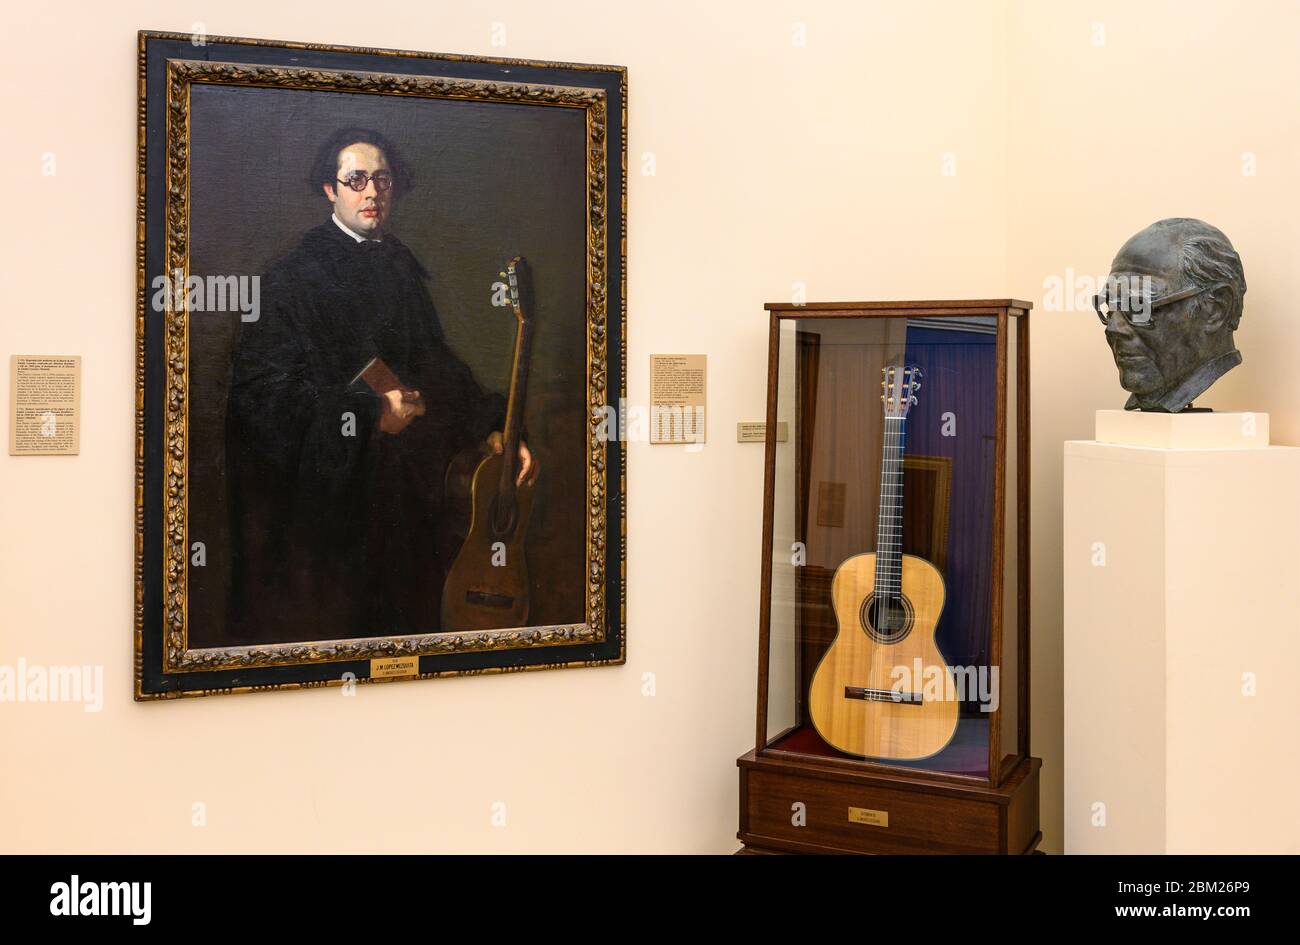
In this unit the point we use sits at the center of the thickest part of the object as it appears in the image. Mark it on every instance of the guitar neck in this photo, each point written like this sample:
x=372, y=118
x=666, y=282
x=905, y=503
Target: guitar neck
x=889, y=528
x=515, y=406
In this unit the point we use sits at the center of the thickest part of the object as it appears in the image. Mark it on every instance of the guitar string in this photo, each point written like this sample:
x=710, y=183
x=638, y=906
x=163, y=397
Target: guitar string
x=887, y=542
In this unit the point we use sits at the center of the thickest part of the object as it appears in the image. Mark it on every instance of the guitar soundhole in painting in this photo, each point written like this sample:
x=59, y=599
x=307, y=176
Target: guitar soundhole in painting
x=887, y=619
x=503, y=516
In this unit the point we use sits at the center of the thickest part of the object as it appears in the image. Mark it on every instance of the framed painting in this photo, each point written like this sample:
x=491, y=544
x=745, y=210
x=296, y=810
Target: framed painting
x=381, y=322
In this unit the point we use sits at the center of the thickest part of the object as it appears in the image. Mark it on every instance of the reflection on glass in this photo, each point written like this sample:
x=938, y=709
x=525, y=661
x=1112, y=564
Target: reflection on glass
x=881, y=609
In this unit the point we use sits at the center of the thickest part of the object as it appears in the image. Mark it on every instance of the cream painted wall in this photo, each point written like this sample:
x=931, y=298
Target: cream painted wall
x=1158, y=120
x=776, y=164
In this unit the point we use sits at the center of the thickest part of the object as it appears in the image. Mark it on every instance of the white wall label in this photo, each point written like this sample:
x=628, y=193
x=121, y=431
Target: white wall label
x=45, y=405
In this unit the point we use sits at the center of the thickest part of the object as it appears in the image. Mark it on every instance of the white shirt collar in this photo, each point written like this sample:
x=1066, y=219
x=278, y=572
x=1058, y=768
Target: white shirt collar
x=356, y=236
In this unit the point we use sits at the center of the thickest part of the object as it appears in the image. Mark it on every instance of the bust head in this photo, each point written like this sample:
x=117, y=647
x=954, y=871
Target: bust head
x=1170, y=306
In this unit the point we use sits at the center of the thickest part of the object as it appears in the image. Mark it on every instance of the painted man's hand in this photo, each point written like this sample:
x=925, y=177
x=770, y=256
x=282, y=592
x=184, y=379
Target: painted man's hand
x=400, y=408
x=529, y=467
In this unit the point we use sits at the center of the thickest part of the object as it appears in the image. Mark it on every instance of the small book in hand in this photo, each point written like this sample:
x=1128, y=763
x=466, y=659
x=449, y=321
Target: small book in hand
x=380, y=377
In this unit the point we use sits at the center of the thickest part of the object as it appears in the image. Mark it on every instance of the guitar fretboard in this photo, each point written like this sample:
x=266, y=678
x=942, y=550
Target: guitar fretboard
x=889, y=528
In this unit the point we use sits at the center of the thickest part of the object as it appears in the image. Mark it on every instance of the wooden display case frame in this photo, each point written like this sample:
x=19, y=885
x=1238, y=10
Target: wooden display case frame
x=845, y=799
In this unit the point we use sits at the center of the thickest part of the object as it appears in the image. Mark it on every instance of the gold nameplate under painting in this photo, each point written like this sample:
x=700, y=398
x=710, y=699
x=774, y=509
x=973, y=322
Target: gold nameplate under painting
x=392, y=666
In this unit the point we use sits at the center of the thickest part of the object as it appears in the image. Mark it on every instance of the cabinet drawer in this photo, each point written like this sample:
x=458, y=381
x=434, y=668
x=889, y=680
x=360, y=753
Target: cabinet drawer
x=917, y=823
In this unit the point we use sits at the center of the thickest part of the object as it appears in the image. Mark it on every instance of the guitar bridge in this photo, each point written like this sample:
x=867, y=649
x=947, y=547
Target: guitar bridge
x=882, y=695
x=484, y=599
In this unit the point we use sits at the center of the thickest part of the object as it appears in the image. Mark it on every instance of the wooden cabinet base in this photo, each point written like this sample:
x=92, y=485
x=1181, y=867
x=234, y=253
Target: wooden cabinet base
x=872, y=812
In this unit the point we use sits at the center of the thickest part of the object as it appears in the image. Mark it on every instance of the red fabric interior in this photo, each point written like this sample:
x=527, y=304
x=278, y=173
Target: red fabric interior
x=966, y=754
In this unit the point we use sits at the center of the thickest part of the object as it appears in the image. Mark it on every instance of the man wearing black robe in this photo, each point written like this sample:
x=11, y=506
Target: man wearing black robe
x=338, y=523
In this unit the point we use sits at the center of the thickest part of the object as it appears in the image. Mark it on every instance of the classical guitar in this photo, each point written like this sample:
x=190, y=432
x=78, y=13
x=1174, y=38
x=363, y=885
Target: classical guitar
x=487, y=585
x=886, y=605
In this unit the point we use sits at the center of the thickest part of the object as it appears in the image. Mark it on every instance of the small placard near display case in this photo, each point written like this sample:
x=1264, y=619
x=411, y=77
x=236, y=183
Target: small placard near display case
x=893, y=635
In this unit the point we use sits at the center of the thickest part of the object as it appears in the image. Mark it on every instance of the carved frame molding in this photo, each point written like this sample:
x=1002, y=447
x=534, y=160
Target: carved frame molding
x=182, y=75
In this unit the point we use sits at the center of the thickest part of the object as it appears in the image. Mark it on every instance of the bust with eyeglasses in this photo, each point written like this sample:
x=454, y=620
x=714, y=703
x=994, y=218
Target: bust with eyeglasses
x=1170, y=306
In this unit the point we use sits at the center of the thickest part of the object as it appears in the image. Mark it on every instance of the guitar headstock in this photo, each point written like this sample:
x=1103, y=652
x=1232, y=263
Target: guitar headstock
x=519, y=282
x=898, y=387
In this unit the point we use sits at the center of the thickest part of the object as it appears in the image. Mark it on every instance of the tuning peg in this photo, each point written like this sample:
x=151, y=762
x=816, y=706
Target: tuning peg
x=912, y=398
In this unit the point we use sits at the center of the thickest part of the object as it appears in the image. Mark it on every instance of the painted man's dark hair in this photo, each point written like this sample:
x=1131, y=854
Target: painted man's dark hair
x=326, y=168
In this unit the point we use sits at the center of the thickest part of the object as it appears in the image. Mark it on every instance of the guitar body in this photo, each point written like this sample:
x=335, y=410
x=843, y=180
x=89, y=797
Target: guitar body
x=845, y=699
x=487, y=588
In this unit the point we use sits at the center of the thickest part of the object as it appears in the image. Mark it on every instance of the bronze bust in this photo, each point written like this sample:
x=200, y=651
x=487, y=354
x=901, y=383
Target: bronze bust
x=1170, y=306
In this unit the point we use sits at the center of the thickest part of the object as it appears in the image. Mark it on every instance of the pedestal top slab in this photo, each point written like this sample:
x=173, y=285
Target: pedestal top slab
x=1183, y=431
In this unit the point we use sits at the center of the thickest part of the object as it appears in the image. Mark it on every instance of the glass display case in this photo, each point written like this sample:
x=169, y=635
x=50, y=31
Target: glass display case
x=893, y=688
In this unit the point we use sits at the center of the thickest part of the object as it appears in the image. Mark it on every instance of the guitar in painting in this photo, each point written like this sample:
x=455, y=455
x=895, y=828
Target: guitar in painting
x=887, y=605
x=487, y=585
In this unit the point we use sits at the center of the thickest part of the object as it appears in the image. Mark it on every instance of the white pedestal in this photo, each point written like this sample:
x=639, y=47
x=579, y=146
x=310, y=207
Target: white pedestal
x=1183, y=431
x=1182, y=637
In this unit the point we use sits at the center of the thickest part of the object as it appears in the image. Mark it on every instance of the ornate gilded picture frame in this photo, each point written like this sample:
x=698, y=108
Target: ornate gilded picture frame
x=380, y=327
